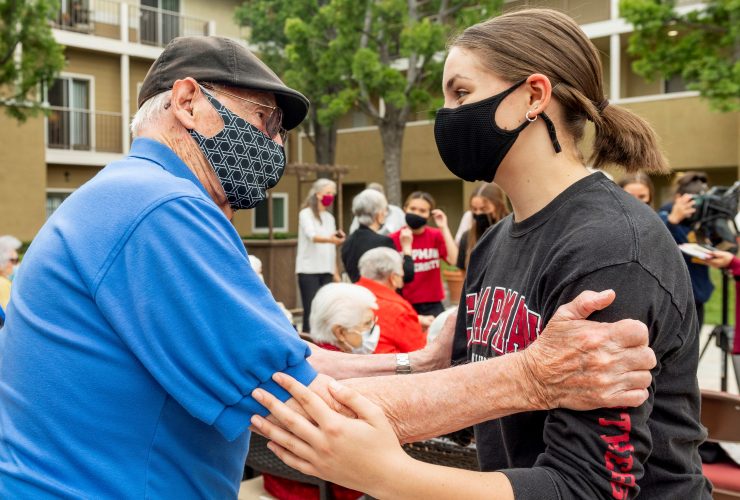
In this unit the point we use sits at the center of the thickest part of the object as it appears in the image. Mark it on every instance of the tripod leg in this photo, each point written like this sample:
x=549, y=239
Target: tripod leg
x=712, y=335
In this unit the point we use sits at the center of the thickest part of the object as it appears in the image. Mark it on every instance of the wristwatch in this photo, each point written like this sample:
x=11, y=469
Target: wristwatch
x=403, y=364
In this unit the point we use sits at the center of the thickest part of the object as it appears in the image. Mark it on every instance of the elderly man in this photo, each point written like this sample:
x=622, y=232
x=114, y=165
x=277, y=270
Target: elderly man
x=137, y=331
x=381, y=272
x=371, y=209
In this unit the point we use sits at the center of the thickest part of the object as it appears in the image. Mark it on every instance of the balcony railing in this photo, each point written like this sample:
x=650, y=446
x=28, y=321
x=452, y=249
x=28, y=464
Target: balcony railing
x=83, y=130
x=158, y=26
x=142, y=24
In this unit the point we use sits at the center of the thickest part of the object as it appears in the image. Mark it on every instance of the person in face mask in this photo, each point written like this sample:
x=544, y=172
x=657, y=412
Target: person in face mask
x=140, y=283
x=429, y=247
x=519, y=89
x=9, y=246
x=487, y=206
x=318, y=239
x=401, y=328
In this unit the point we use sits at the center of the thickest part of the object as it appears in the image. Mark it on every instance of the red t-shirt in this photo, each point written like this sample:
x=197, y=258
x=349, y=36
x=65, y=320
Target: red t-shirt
x=427, y=249
x=400, y=330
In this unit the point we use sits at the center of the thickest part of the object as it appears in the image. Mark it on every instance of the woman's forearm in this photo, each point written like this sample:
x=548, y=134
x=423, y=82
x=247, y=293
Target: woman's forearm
x=450, y=245
x=425, y=481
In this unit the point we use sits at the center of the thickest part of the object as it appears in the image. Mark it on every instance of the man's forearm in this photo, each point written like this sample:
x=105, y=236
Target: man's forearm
x=426, y=405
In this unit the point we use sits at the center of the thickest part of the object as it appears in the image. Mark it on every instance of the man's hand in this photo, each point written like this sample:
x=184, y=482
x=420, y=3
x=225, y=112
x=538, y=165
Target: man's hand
x=583, y=364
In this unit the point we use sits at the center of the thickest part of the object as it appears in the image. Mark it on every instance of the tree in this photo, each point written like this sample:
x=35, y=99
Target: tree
x=701, y=45
x=29, y=55
x=298, y=39
x=397, y=67
x=381, y=56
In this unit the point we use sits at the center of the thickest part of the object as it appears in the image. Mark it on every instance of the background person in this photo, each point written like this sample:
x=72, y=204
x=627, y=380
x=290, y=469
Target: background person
x=640, y=186
x=370, y=209
x=9, y=246
x=487, y=207
x=318, y=239
x=674, y=215
x=428, y=248
x=394, y=220
x=400, y=326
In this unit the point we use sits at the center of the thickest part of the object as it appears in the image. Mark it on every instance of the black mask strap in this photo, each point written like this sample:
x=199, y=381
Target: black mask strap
x=551, y=131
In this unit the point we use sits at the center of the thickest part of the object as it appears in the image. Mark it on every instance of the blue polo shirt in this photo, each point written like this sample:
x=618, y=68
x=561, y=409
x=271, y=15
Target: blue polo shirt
x=136, y=332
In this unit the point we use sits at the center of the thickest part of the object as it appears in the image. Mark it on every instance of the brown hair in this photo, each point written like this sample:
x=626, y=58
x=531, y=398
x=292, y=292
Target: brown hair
x=497, y=197
x=519, y=44
x=692, y=182
x=639, y=178
x=421, y=195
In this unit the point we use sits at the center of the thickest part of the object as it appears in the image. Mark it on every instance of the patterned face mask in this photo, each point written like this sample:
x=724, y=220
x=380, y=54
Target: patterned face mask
x=246, y=161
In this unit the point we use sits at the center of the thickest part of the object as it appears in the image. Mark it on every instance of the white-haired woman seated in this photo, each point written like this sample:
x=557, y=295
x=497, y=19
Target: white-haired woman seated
x=343, y=319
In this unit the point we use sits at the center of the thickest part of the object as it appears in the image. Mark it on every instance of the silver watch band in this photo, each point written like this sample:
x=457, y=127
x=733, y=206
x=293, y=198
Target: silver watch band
x=403, y=364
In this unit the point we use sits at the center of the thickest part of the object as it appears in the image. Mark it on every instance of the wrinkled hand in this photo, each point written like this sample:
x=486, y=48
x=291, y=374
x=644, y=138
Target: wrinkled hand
x=425, y=321
x=720, y=259
x=583, y=365
x=440, y=219
x=406, y=238
x=438, y=353
x=328, y=445
x=683, y=207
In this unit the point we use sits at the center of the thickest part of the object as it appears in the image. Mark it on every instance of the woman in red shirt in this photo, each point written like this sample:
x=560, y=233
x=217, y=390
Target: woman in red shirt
x=429, y=246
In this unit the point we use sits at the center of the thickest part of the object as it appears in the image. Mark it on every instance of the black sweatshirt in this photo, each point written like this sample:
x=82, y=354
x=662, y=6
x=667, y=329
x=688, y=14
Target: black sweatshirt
x=365, y=239
x=593, y=236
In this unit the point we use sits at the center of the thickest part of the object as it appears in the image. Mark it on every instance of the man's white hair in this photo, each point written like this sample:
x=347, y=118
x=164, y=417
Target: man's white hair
x=8, y=245
x=340, y=304
x=367, y=204
x=149, y=112
x=379, y=263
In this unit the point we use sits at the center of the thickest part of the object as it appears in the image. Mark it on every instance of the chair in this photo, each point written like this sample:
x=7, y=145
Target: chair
x=720, y=414
x=261, y=459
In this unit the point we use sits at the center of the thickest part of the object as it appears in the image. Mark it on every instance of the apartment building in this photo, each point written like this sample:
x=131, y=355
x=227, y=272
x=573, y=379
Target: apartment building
x=110, y=45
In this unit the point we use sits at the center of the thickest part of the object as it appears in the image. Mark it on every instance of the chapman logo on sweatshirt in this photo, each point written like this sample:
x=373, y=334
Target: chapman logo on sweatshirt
x=501, y=319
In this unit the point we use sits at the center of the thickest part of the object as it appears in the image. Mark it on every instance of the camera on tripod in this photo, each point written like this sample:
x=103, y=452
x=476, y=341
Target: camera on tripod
x=714, y=218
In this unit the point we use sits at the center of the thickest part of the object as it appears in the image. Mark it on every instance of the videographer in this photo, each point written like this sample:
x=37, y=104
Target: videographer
x=675, y=216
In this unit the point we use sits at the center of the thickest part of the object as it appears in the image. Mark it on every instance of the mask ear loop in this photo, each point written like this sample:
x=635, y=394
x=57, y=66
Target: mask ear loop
x=550, y=129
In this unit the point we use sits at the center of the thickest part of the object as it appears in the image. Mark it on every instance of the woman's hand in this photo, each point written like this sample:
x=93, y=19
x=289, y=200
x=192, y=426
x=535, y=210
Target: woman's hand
x=361, y=453
x=406, y=238
x=720, y=259
x=440, y=219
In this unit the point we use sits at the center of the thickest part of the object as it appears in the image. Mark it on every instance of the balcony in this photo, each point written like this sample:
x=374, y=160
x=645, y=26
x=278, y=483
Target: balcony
x=133, y=23
x=82, y=136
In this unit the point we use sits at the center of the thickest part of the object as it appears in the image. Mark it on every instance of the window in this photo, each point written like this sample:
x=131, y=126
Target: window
x=54, y=199
x=69, y=123
x=674, y=84
x=260, y=223
x=160, y=21
x=75, y=14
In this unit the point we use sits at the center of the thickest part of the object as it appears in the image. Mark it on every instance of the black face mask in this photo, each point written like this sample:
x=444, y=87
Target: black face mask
x=471, y=144
x=483, y=222
x=415, y=221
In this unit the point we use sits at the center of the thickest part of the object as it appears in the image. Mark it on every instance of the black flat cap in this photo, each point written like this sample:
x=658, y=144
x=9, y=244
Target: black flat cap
x=215, y=59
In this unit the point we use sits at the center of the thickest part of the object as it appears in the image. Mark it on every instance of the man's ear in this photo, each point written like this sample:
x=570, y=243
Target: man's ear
x=339, y=333
x=540, y=92
x=184, y=94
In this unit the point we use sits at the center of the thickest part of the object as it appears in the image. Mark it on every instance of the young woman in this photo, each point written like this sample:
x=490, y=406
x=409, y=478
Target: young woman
x=487, y=206
x=518, y=91
x=640, y=186
x=318, y=239
x=429, y=246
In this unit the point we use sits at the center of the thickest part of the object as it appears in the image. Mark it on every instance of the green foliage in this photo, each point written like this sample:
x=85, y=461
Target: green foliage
x=26, y=24
x=704, y=50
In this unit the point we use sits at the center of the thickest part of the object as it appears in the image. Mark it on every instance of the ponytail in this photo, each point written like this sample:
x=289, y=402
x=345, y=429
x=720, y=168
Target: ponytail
x=625, y=139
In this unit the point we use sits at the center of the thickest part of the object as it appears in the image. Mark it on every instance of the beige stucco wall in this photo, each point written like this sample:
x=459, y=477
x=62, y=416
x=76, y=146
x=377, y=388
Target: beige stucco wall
x=106, y=69
x=582, y=12
x=69, y=176
x=22, y=176
x=221, y=11
x=138, y=69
